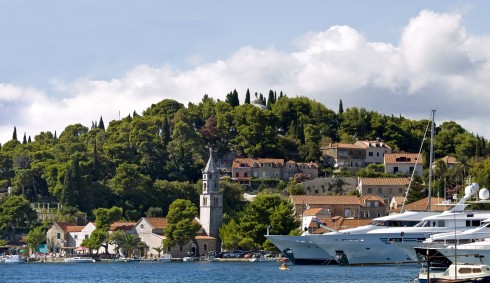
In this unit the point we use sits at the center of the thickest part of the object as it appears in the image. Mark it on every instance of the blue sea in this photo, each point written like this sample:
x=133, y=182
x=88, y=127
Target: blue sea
x=200, y=271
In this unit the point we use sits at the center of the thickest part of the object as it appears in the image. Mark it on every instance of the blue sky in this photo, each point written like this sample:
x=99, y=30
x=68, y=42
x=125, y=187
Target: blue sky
x=66, y=62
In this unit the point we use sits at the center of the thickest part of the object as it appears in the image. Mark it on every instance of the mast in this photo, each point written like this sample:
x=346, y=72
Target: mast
x=431, y=154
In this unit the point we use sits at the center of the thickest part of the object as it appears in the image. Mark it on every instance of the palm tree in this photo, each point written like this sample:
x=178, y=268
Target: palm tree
x=128, y=243
x=159, y=250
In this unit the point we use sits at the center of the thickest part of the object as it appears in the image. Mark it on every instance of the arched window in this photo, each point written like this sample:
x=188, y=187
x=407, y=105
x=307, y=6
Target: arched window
x=205, y=247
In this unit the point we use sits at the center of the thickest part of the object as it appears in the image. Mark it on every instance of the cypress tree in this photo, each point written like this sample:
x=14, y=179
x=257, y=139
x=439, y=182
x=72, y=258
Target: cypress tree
x=232, y=98
x=166, y=132
x=24, y=140
x=14, y=136
x=247, y=97
x=341, y=108
x=70, y=184
x=101, y=124
x=29, y=139
x=270, y=100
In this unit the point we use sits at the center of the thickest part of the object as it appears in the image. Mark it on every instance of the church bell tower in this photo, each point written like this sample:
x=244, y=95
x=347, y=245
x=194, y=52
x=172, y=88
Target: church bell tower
x=211, y=201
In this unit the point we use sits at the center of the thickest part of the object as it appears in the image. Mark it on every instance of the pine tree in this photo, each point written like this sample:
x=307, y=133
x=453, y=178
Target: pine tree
x=247, y=97
x=14, y=136
x=101, y=124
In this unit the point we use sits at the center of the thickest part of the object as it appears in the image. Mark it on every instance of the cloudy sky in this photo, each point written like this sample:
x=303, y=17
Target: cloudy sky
x=66, y=62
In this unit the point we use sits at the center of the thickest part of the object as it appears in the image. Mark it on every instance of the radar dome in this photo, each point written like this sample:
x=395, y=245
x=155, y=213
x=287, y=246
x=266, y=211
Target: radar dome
x=484, y=194
x=471, y=189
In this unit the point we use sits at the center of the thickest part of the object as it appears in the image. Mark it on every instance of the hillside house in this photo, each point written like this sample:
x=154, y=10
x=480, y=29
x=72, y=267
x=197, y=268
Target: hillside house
x=375, y=151
x=403, y=163
x=345, y=206
x=244, y=169
x=385, y=188
x=344, y=155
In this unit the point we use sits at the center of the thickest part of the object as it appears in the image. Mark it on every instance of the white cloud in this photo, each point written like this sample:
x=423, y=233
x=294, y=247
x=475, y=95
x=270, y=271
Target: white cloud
x=437, y=64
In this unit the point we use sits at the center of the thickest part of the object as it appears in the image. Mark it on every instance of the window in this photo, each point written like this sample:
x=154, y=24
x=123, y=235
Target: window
x=347, y=213
x=142, y=226
x=380, y=190
x=370, y=153
x=205, y=176
x=370, y=190
x=205, y=247
x=411, y=169
x=245, y=174
x=376, y=204
x=58, y=236
x=237, y=174
x=377, y=154
x=368, y=203
x=86, y=236
x=75, y=237
x=395, y=169
x=400, y=190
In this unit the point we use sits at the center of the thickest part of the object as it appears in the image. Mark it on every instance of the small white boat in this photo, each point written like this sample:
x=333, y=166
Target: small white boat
x=13, y=259
x=165, y=258
x=78, y=259
x=456, y=273
x=188, y=258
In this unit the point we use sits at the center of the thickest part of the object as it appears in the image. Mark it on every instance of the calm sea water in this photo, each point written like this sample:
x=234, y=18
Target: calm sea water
x=200, y=272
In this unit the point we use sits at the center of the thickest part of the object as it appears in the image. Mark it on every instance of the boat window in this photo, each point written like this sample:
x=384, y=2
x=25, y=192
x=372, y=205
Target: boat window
x=473, y=223
x=464, y=270
x=477, y=270
x=422, y=224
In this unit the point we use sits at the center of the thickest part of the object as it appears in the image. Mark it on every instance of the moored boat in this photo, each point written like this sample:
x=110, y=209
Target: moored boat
x=12, y=259
x=165, y=258
x=78, y=259
x=456, y=273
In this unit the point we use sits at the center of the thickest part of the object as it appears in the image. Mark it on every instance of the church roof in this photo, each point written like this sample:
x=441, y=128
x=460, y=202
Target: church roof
x=210, y=167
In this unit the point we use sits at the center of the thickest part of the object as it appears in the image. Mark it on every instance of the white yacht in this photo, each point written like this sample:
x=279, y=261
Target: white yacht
x=477, y=252
x=78, y=259
x=304, y=249
x=377, y=246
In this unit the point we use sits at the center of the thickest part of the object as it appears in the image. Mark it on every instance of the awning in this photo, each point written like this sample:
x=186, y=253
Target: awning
x=79, y=249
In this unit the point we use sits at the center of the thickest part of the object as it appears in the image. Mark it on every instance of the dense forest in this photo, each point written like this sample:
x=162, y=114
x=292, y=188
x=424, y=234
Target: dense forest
x=145, y=161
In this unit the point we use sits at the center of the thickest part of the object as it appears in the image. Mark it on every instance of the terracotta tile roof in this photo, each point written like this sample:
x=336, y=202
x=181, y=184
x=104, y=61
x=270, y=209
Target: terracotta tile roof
x=399, y=200
x=341, y=223
x=205, y=238
x=312, y=211
x=157, y=222
x=449, y=160
x=385, y=181
x=309, y=165
x=373, y=144
x=74, y=229
x=125, y=226
x=252, y=162
x=308, y=199
x=373, y=198
x=64, y=225
x=341, y=145
x=421, y=205
x=403, y=157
